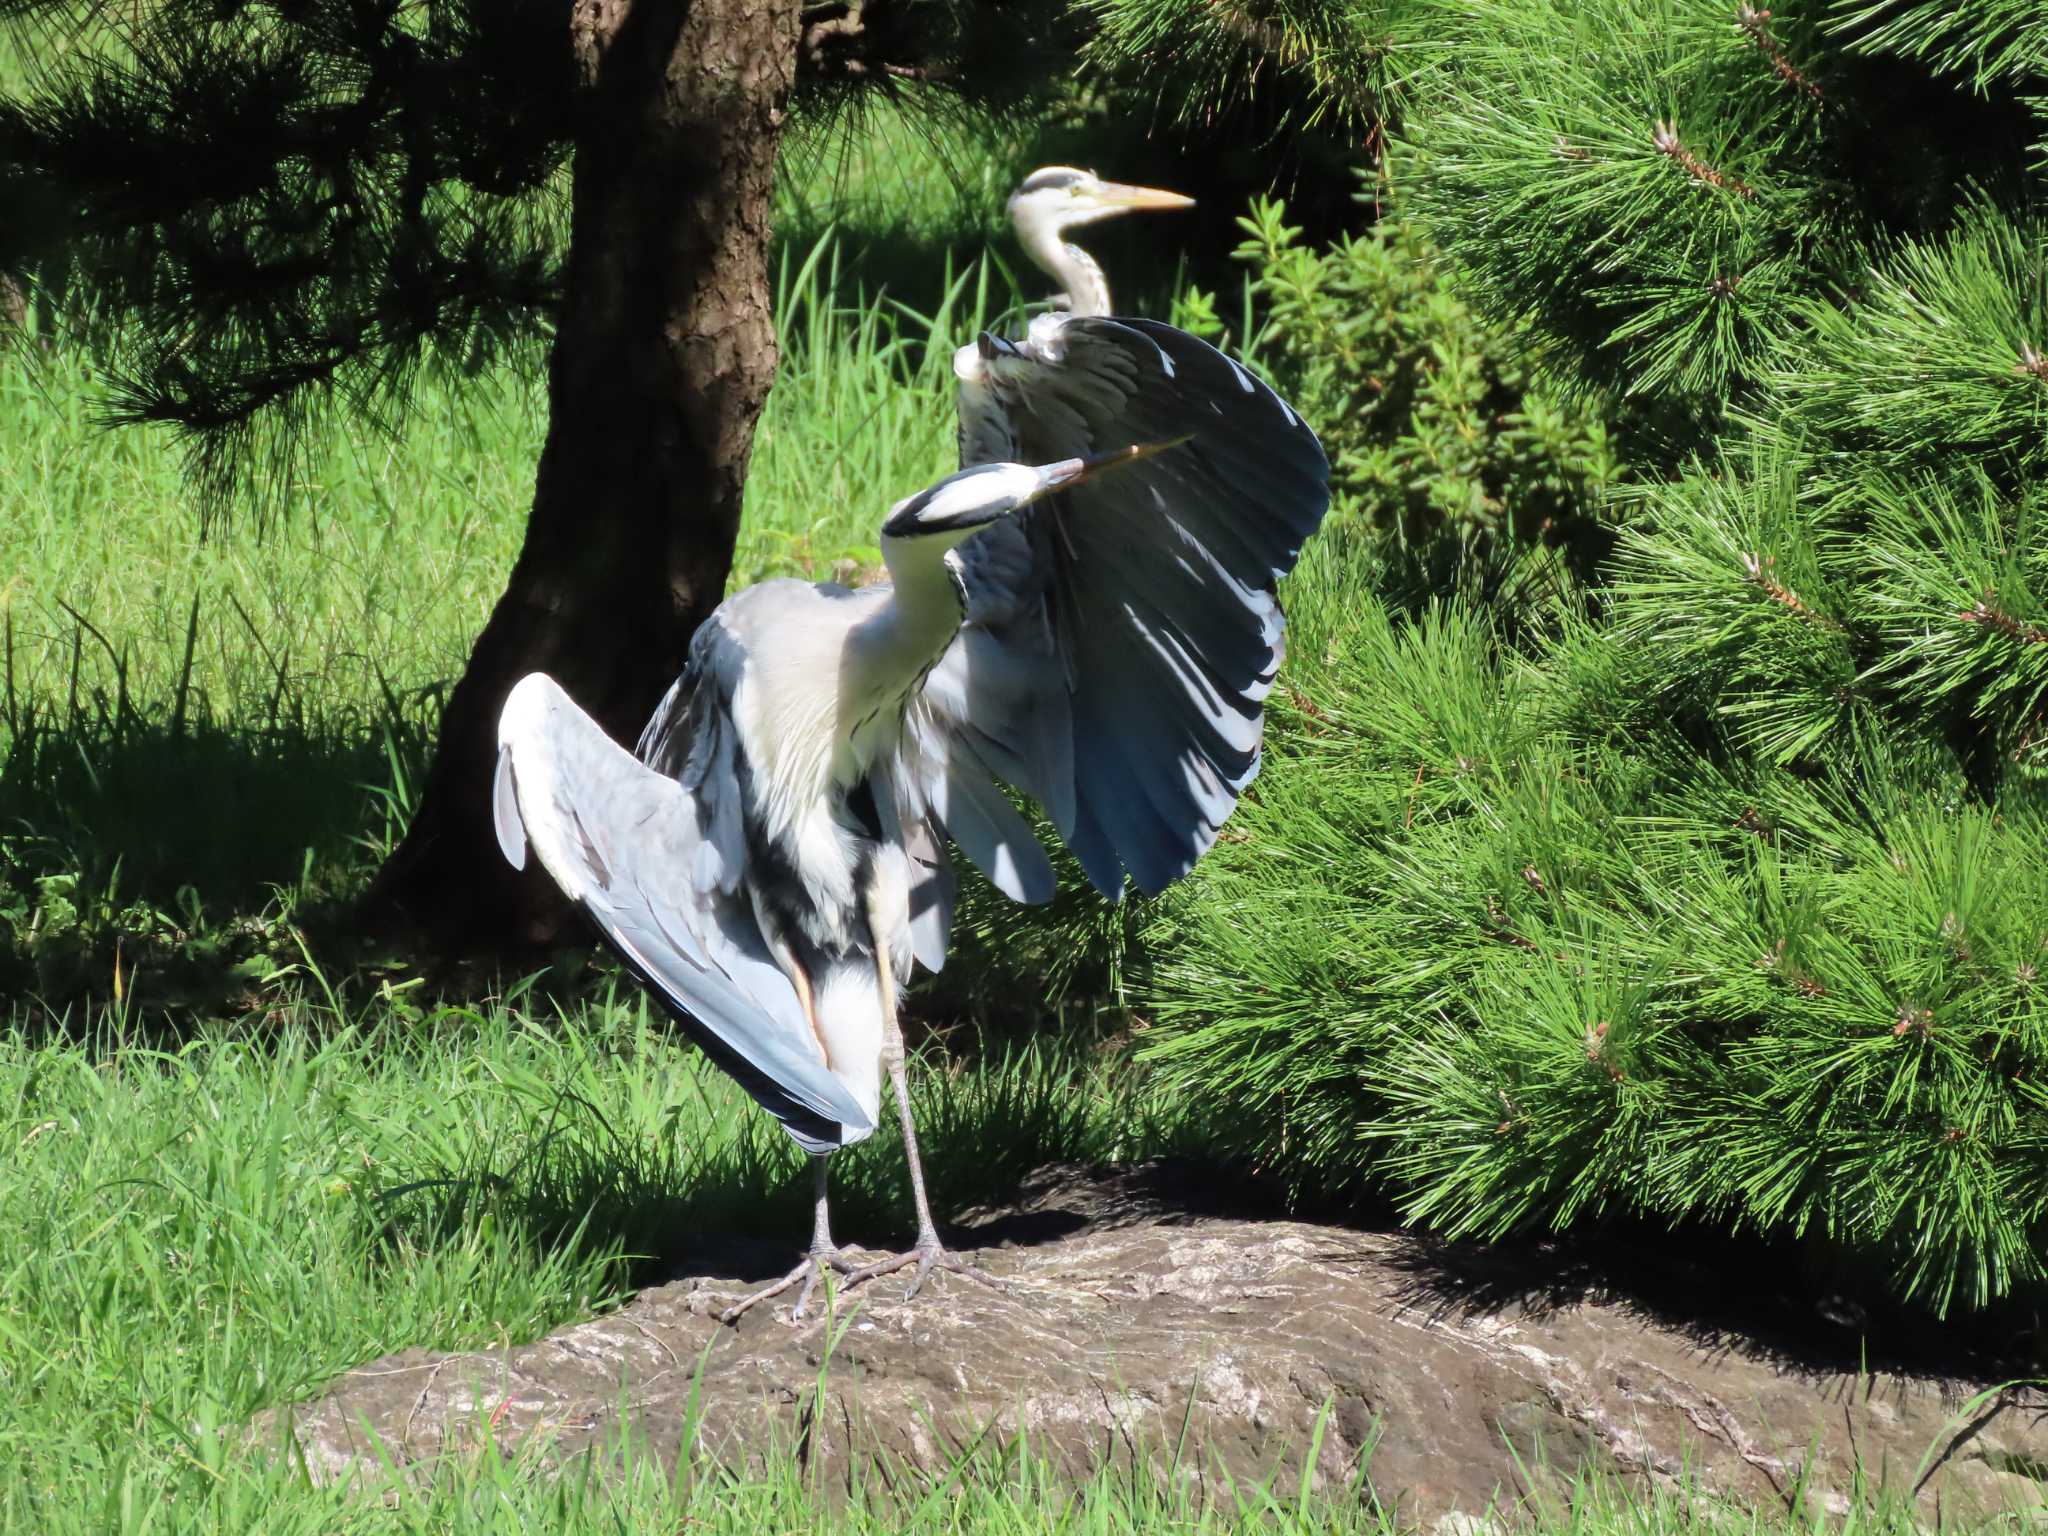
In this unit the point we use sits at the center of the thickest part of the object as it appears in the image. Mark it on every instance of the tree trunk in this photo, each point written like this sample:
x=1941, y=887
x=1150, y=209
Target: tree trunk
x=661, y=363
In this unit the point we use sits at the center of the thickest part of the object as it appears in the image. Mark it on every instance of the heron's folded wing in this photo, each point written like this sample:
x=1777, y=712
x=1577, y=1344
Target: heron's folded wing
x=1122, y=635
x=908, y=824
x=657, y=873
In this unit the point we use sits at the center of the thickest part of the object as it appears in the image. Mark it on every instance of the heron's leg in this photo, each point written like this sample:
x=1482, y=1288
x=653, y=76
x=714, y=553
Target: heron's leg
x=801, y=980
x=784, y=954
x=929, y=1251
x=892, y=1063
x=899, y=1083
x=823, y=1251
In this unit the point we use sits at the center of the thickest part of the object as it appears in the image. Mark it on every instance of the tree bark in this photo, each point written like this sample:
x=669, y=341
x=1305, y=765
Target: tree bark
x=661, y=363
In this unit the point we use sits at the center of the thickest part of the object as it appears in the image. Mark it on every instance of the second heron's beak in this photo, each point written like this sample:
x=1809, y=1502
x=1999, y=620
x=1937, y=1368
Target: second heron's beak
x=1071, y=472
x=1115, y=194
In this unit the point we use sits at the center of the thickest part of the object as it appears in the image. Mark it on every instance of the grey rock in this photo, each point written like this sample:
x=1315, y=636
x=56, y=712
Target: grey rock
x=1137, y=1330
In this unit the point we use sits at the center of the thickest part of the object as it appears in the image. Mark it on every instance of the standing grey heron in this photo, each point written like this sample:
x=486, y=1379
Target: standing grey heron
x=1085, y=612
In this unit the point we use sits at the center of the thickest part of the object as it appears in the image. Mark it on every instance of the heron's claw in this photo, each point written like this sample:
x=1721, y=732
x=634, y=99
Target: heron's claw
x=814, y=1264
x=929, y=1254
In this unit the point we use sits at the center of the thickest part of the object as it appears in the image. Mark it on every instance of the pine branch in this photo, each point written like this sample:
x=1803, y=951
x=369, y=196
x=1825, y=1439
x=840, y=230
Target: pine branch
x=1326, y=62
x=1988, y=613
x=1550, y=164
x=1933, y=364
x=1761, y=572
x=1756, y=25
x=1672, y=147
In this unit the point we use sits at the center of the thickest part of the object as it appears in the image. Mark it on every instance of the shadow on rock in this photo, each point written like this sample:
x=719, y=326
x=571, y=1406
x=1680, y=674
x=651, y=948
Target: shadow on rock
x=1760, y=1300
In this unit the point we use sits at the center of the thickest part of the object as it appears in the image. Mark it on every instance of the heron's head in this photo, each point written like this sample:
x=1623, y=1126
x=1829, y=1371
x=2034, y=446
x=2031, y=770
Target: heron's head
x=1060, y=197
x=973, y=498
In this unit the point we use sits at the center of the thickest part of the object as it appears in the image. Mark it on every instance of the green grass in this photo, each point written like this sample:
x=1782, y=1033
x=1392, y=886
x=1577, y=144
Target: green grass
x=200, y=1232
x=379, y=576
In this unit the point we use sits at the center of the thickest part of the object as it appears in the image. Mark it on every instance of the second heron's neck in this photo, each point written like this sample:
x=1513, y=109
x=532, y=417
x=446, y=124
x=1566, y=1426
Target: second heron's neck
x=1075, y=270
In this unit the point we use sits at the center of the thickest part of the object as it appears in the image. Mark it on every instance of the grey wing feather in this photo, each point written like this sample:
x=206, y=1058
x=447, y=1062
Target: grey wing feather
x=991, y=833
x=656, y=865
x=1121, y=636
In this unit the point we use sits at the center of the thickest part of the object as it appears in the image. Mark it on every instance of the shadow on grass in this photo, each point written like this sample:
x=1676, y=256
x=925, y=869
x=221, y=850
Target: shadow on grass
x=720, y=1190
x=178, y=854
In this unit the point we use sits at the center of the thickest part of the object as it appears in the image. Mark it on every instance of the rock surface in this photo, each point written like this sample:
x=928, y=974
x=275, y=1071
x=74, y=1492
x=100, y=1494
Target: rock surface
x=1131, y=1318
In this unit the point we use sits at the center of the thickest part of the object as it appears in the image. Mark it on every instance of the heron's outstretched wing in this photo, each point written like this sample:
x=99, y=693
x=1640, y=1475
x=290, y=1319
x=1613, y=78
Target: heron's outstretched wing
x=656, y=863
x=1121, y=635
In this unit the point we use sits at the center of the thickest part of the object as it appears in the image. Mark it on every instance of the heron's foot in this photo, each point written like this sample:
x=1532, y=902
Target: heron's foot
x=814, y=1264
x=928, y=1255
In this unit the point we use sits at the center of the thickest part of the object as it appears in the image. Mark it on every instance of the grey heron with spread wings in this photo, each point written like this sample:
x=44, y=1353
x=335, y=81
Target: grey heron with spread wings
x=1084, y=612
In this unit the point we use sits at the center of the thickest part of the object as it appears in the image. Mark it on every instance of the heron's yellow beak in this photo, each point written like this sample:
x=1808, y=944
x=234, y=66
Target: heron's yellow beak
x=1071, y=472
x=1115, y=194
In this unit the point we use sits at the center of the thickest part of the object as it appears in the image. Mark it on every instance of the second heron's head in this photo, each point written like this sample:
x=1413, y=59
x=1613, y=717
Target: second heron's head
x=1059, y=197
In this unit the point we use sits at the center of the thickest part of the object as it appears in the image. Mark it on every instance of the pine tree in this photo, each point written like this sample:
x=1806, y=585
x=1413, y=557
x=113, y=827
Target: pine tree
x=1711, y=888
x=1314, y=61
x=268, y=215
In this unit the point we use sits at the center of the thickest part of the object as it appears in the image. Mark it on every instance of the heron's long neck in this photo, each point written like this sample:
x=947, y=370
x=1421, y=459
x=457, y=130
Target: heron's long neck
x=925, y=609
x=1077, y=271
x=1087, y=288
